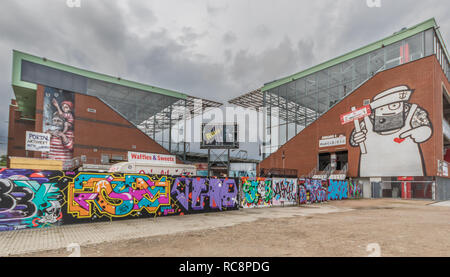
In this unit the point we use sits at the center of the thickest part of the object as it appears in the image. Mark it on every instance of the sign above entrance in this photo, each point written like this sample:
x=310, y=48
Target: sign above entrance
x=151, y=158
x=356, y=114
x=334, y=140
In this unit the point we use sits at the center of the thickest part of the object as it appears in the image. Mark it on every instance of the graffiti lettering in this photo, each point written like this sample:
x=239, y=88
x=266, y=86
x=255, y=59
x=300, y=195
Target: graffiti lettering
x=257, y=192
x=103, y=194
x=337, y=190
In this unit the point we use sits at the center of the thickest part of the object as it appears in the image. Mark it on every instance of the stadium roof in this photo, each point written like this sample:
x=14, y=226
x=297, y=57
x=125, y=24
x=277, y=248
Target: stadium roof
x=25, y=92
x=254, y=99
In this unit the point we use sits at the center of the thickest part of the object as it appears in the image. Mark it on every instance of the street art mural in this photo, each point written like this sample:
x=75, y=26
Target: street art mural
x=29, y=199
x=337, y=190
x=58, y=121
x=256, y=192
x=284, y=191
x=205, y=194
x=354, y=189
x=302, y=193
x=34, y=199
x=316, y=191
x=93, y=195
x=390, y=137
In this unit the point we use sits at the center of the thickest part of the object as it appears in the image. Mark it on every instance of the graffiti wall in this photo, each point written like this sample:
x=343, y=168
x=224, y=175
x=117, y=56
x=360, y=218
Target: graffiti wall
x=256, y=192
x=268, y=192
x=337, y=190
x=312, y=191
x=355, y=190
x=33, y=199
x=29, y=199
x=284, y=191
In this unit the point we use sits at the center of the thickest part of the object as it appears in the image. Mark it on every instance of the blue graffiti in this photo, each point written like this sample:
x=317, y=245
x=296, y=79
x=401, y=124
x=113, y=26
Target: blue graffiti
x=337, y=190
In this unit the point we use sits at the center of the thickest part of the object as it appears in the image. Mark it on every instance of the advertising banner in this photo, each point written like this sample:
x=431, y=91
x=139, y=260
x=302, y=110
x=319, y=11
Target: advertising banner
x=37, y=142
x=151, y=158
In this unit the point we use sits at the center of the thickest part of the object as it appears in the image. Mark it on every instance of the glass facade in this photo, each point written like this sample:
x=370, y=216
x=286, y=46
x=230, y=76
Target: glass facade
x=293, y=106
x=160, y=116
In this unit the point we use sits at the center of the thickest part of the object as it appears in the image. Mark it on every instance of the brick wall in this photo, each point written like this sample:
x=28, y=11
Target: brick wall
x=302, y=151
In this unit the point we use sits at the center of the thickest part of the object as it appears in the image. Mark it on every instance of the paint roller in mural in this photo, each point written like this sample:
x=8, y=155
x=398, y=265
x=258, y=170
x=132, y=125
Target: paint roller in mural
x=29, y=199
x=256, y=192
x=391, y=135
x=58, y=121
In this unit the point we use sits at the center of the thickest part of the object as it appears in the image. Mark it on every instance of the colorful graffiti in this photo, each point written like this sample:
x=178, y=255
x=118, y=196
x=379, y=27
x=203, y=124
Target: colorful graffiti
x=337, y=190
x=256, y=192
x=205, y=194
x=32, y=199
x=315, y=191
x=302, y=193
x=354, y=189
x=93, y=194
x=28, y=199
x=285, y=191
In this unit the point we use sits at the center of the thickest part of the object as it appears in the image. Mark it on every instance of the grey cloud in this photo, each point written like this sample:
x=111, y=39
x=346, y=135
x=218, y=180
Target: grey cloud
x=252, y=70
x=190, y=36
x=229, y=37
x=213, y=8
x=262, y=31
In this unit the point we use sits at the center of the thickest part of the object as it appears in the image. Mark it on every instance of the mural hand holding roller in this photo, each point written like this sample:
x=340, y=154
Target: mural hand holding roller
x=390, y=135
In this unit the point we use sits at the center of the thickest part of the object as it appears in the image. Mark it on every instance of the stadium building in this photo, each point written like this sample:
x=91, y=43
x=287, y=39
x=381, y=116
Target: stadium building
x=378, y=115
x=94, y=118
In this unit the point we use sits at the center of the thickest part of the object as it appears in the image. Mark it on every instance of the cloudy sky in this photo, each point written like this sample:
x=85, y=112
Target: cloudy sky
x=214, y=49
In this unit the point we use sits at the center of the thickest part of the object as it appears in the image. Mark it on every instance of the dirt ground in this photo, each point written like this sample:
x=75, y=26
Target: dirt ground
x=401, y=228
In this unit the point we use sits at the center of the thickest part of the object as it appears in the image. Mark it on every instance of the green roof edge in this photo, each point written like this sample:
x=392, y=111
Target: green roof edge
x=430, y=23
x=18, y=56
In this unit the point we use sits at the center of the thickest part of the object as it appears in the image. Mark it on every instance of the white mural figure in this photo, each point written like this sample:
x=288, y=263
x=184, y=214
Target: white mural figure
x=392, y=135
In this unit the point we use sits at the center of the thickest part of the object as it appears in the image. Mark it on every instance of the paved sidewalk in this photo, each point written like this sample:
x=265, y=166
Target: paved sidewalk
x=441, y=204
x=32, y=240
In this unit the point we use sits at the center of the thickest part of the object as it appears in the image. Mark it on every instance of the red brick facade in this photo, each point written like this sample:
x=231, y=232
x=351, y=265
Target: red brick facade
x=103, y=132
x=425, y=76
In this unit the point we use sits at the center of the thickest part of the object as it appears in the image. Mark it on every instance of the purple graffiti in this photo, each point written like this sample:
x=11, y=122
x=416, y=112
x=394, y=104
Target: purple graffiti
x=180, y=190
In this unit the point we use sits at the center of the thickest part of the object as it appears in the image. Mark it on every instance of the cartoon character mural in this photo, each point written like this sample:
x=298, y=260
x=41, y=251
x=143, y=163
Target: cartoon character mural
x=59, y=123
x=392, y=135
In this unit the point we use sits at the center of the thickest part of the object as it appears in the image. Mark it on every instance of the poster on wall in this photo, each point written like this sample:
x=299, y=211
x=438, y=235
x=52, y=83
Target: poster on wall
x=58, y=122
x=37, y=142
